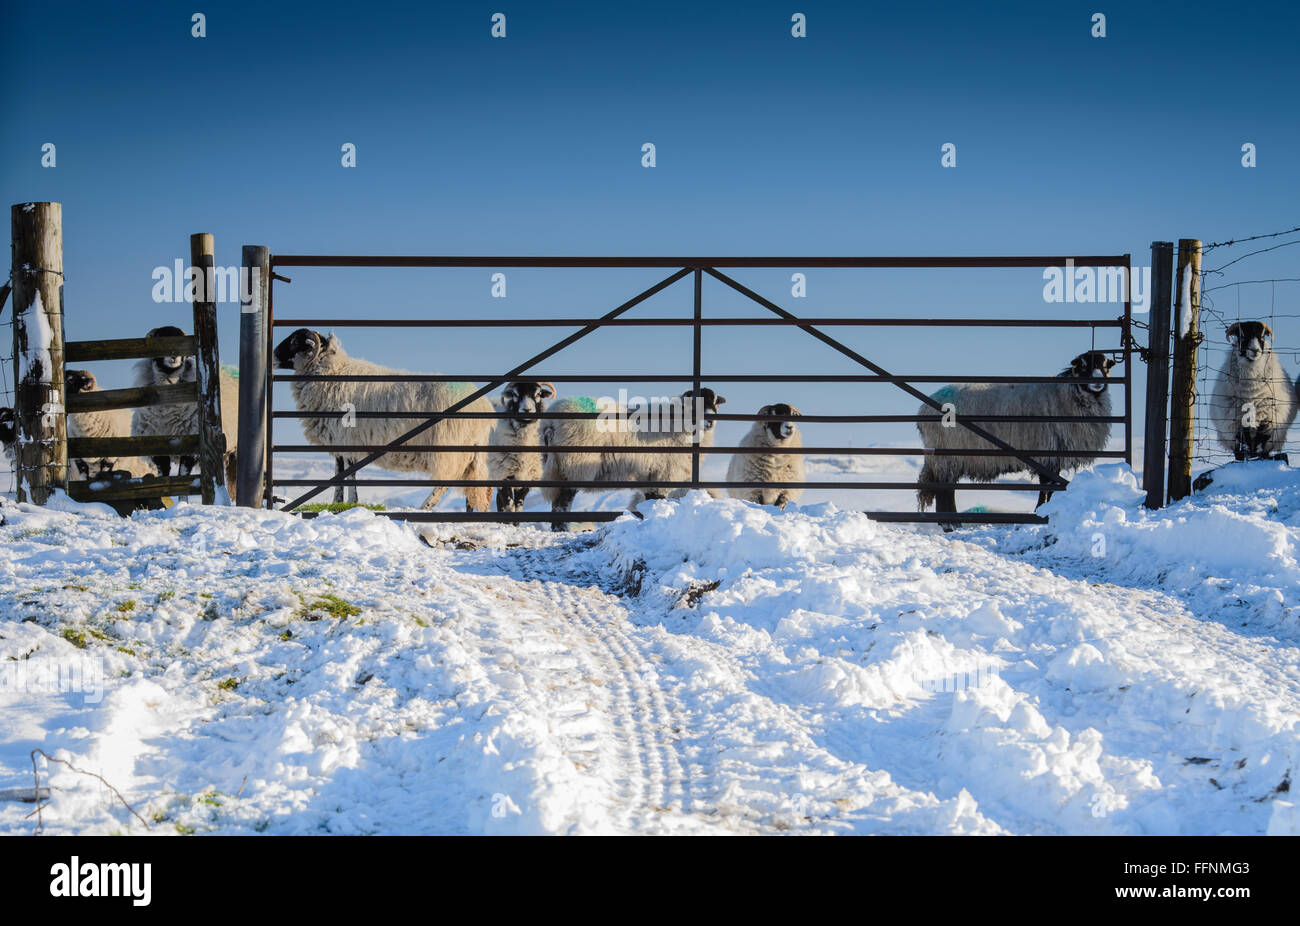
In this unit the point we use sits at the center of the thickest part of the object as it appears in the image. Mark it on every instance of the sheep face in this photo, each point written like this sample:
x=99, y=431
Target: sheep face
x=524, y=401
x=78, y=381
x=706, y=401
x=8, y=431
x=170, y=369
x=779, y=430
x=1094, y=363
x=1250, y=340
x=300, y=349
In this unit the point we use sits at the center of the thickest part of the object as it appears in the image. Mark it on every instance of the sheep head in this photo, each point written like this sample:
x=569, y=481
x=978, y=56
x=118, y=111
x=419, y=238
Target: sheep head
x=170, y=369
x=780, y=430
x=76, y=381
x=705, y=401
x=526, y=400
x=1095, y=364
x=303, y=348
x=1250, y=339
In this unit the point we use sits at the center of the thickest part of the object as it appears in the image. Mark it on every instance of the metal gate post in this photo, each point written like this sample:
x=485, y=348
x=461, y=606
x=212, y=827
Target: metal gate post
x=1157, y=408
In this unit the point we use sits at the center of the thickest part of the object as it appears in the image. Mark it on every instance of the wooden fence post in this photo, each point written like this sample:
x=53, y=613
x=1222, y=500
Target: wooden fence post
x=37, y=269
x=212, y=442
x=1187, y=336
x=1157, y=409
x=256, y=269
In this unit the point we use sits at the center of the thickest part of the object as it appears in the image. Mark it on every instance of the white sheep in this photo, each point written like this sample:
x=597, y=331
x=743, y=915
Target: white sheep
x=521, y=402
x=311, y=353
x=109, y=423
x=769, y=467
x=183, y=418
x=670, y=424
x=1254, y=401
x=975, y=399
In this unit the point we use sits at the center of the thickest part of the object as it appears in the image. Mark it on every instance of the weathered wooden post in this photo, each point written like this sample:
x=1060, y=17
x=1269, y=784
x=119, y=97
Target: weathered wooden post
x=212, y=442
x=1157, y=410
x=1182, y=401
x=37, y=275
x=253, y=333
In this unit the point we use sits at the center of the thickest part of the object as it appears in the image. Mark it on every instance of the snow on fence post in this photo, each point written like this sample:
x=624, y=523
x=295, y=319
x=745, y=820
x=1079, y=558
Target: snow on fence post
x=1182, y=401
x=212, y=442
x=1157, y=410
x=37, y=276
x=250, y=482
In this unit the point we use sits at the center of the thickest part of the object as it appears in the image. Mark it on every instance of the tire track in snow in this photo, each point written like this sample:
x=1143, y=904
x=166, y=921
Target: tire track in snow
x=591, y=625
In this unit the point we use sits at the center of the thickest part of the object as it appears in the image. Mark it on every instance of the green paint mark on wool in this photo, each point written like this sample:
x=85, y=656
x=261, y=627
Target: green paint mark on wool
x=232, y=372
x=584, y=403
x=946, y=394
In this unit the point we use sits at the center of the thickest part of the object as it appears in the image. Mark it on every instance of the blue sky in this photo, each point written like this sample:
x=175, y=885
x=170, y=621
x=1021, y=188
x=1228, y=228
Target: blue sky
x=766, y=144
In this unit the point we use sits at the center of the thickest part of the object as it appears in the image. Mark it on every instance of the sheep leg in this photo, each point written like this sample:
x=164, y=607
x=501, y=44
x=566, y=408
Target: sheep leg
x=945, y=502
x=1044, y=494
x=163, y=465
x=506, y=499
x=434, y=497
x=339, y=466
x=477, y=498
x=563, y=502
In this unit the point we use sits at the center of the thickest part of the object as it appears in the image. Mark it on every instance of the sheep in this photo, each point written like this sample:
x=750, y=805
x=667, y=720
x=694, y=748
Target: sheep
x=1254, y=402
x=769, y=467
x=522, y=402
x=109, y=423
x=309, y=352
x=672, y=424
x=974, y=399
x=9, y=435
x=183, y=418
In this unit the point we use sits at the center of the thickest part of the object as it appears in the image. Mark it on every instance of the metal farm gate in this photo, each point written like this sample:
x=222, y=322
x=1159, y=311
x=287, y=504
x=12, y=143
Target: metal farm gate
x=257, y=480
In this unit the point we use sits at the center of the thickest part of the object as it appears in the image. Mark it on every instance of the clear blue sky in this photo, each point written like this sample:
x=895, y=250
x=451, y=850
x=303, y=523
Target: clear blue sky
x=766, y=144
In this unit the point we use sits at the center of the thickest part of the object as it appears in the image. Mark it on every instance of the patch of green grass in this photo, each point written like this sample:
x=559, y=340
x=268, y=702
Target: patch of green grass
x=287, y=635
x=211, y=798
x=77, y=588
x=332, y=605
x=423, y=623
x=80, y=637
x=125, y=607
x=167, y=595
x=205, y=594
x=336, y=507
x=127, y=650
x=229, y=684
x=183, y=829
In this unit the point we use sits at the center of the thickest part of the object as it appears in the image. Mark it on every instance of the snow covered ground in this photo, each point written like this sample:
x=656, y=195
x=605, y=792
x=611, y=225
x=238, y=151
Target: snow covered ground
x=714, y=668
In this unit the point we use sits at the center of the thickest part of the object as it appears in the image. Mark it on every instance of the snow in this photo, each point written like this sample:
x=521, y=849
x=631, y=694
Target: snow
x=710, y=667
x=40, y=338
x=1185, y=303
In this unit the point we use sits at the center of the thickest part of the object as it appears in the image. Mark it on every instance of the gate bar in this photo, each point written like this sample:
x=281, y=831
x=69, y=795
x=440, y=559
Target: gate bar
x=693, y=263
x=352, y=468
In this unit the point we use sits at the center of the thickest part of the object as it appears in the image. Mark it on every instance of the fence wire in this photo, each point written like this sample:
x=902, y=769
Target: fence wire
x=1225, y=301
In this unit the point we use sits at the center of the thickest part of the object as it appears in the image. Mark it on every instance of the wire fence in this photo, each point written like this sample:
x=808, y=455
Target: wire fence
x=1239, y=295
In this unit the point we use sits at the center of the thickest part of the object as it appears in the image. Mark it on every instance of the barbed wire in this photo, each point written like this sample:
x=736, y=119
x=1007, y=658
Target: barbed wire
x=1224, y=244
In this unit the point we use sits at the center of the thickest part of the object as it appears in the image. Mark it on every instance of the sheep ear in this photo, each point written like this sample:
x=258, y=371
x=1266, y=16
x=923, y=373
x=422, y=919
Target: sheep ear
x=718, y=400
x=765, y=410
x=1234, y=330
